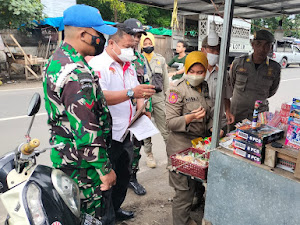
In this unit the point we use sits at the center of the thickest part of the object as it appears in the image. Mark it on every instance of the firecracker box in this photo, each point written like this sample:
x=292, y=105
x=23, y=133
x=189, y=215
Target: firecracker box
x=293, y=137
x=247, y=155
x=286, y=106
x=251, y=148
x=284, y=120
x=284, y=113
x=296, y=100
x=294, y=118
x=263, y=134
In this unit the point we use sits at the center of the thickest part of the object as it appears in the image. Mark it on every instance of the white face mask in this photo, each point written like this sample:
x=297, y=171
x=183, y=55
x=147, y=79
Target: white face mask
x=127, y=54
x=212, y=59
x=194, y=80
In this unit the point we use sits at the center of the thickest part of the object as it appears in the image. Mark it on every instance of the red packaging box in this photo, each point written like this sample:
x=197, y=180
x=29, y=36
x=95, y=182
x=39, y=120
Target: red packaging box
x=286, y=106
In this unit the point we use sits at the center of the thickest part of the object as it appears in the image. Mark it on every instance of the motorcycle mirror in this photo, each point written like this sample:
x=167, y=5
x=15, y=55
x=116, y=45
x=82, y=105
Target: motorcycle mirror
x=34, y=104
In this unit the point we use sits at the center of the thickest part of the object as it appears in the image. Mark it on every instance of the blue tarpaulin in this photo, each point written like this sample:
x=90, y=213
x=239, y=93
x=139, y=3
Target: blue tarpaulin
x=58, y=22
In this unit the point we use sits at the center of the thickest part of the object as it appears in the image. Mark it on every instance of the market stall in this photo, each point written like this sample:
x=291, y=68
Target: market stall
x=246, y=187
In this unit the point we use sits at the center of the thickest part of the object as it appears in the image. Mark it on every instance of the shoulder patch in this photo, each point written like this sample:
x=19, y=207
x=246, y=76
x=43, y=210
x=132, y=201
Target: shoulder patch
x=173, y=97
x=86, y=84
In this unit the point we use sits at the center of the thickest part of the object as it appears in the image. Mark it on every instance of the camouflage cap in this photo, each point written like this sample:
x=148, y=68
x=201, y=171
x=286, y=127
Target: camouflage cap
x=264, y=35
x=205, y=44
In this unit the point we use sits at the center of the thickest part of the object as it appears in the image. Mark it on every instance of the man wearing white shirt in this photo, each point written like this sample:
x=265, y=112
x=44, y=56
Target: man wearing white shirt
x=124, y=95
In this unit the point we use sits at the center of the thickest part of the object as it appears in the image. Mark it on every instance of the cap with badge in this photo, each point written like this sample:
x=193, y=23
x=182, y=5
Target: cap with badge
x=135, y=25
x=86, y=16
x=264, y=35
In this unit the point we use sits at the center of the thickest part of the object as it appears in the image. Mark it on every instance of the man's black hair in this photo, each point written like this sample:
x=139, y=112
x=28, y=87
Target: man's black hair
x=183, y=43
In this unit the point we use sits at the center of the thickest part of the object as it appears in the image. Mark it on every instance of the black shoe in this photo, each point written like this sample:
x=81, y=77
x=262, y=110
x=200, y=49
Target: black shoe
x=124, y=215
x=137, y=188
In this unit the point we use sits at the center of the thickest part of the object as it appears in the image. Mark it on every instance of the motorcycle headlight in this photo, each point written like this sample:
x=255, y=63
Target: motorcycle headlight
x=33, y=199
x=67, y=189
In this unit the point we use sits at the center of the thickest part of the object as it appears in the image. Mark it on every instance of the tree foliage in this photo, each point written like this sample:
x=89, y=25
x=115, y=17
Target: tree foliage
x=14, y=13
x=290, y=25
x=115, y=10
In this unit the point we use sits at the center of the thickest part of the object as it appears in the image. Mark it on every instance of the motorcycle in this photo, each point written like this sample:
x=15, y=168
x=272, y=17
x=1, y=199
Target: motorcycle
x=37, y=194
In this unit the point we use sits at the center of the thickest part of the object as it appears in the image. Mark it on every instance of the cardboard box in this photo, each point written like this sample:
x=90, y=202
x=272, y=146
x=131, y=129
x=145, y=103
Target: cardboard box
x=254, y=149
x=247, y=155
x=293, y=137
x=263, y=134
x=294, y=118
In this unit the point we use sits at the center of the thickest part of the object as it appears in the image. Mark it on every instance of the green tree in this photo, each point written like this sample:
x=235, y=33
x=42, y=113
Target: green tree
x=290, y=25
x=14, y=13
x=114, y=10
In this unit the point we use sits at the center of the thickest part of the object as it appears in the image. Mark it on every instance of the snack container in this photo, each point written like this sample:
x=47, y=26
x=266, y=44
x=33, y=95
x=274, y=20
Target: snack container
x=189, y=168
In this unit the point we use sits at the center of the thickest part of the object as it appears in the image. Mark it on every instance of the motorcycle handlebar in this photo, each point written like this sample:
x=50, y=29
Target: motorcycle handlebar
x=28, y=148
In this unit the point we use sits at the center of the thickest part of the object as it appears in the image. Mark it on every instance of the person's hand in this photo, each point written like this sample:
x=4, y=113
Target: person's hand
x=144, y=91
x=108, y=180
x=230, y=118
x=148, y=114
x=198, y=113
x=195, y=114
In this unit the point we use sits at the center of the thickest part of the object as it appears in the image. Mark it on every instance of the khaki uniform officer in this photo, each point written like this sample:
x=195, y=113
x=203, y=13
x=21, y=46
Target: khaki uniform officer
x=189, y=116
x=156, y=63
x=254, y=77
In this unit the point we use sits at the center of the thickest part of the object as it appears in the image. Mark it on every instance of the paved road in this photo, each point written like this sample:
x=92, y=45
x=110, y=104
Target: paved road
x=14, y=122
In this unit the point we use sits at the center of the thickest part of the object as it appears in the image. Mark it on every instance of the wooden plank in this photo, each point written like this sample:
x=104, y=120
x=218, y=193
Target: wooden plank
x=17, y=43
x=284, y=150
x=12, y=55
x=270, y=158
x=297, y=169
x=286, y=157
x=31, y=71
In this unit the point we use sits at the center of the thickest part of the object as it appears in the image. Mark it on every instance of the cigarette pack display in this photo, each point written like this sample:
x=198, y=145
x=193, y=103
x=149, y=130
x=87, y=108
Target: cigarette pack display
x=263, y=134
x=294, y=118
x=293, y=137
x=247, y=155
x=252, y=148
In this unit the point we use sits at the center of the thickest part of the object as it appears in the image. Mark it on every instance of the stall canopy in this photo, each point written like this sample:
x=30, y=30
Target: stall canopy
x=247, y=9
x=58, y=22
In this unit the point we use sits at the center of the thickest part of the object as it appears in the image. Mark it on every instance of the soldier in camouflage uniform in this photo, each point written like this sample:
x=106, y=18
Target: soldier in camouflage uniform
x=139, y=64
x=77, y=111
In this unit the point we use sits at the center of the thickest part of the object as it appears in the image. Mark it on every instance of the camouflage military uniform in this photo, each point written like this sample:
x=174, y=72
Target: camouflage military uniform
x=143, y=78
x=78, y=117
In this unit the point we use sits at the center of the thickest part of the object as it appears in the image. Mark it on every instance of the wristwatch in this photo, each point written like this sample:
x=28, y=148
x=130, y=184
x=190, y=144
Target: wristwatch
x=130, y=93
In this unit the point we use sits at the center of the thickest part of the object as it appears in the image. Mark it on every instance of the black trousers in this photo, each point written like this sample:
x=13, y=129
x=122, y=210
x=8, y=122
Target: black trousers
x=120, y=155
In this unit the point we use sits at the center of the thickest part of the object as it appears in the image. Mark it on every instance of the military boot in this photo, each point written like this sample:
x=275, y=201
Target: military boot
x=150, y=161
x=135, y=186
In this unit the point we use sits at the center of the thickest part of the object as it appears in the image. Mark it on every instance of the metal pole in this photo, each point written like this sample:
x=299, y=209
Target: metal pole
x=225, y=43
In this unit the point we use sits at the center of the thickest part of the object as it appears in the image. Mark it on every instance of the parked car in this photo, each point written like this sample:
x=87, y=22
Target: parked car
x=286, y=53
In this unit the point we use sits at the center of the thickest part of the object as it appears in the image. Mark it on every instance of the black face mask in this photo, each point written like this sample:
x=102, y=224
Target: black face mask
x=148, y=49
x=98, y=43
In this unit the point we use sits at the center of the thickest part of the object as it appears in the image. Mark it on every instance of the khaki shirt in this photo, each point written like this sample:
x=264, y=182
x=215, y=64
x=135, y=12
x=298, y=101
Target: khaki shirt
x=251, y=84
x=158, y=65
x=180, y=100
x=212, y=79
